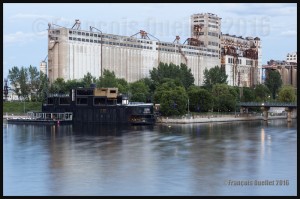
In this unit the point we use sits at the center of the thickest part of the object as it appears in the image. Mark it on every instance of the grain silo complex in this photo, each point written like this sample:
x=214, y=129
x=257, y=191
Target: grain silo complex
x=73, y=52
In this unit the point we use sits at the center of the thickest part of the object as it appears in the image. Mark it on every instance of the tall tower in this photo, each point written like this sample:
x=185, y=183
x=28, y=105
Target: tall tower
x=206, y=27
x=43, y=67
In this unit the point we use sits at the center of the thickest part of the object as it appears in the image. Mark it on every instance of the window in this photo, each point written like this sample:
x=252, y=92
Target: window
x=81, y=101
x=84, y=92
x=64, y=100
x=99, y=101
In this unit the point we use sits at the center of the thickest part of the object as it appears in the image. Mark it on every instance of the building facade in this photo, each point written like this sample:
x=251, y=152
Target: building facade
x=72, y=53
x=241, y=58
x=287, y=71
x=291, y=57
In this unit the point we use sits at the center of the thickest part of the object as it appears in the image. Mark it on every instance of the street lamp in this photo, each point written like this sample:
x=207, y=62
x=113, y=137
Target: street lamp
x=91, y=29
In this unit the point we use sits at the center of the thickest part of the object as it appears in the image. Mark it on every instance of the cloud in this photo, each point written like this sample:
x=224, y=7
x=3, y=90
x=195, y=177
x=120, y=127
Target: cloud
x=289, y=33
x=29, y=16
x=39, y=17
x=266, y=9
x=21, y=37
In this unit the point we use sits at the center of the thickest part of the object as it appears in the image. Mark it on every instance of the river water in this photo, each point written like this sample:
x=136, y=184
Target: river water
x=219, y=159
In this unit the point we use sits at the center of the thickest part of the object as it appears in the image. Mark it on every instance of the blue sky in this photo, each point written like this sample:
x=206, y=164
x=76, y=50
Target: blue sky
x=25, y=25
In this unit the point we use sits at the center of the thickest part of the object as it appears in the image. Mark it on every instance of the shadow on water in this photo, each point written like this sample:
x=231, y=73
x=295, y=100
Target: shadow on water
x=107, y=129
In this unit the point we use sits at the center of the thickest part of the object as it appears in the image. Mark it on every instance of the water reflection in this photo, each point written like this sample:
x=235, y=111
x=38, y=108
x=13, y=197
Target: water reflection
x=148, y=160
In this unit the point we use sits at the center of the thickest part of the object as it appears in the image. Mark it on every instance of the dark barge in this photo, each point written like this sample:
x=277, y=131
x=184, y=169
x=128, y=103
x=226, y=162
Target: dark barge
x=100, y=106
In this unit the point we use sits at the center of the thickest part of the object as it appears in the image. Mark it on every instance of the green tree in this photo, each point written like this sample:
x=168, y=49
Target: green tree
x=58, y=86
x=172, y=98
x=14, y=76
x=72, y=84
x=34, y=82
x=171, y=71
x=150, y=84
x=287, y=94
x=88, y=79
x=122, y=85
x=139, y=91
x=262, y=93
x=200, y=99
x=214, y=76
x=108, y=80
x=43, y=87
x=165, y=86
x=23, y=83
x=248, y=95
x=186, y=76
x=224, y=99
x=174, y=101
x=273, y=82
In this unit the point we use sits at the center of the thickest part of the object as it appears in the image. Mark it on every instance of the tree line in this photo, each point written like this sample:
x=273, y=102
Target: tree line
x=171, y=86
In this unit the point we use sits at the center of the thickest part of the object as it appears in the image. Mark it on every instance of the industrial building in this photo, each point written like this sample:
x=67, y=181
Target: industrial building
x=241, y=58
x=287, y=69
x=73, y=52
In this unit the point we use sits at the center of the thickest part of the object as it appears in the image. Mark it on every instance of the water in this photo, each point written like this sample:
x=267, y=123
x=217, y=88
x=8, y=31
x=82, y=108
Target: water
x=189, y=159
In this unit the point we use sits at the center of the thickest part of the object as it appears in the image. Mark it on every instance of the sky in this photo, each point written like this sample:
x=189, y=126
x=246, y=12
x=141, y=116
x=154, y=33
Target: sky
x=25, y=24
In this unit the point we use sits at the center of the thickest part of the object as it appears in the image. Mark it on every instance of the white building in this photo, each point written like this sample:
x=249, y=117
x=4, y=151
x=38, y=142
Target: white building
x=241, y=58
x=72, y=53
x=291, y=57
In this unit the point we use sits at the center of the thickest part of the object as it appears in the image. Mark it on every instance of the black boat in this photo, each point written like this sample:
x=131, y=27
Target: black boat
x=100, y=105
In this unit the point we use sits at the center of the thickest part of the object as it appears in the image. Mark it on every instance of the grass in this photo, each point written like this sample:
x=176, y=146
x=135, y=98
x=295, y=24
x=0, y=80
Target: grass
x=17, y=108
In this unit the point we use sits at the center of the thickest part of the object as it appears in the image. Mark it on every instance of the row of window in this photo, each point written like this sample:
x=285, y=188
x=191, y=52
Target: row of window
x=249, y=62
x=211, y=43
x=109, y=43
x=199, y=17
x=212, y=26
x=291, y=58
x=84, y=33
x=213, y=21
x=145, y=47
x=210, y=17
x=199, y=33
x=199, y=21
x=97, y=101
x=107, y=36
x=187, y=52
x=213, y=34
x=57, y=32
x=231, y=61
